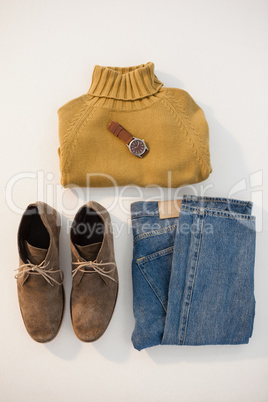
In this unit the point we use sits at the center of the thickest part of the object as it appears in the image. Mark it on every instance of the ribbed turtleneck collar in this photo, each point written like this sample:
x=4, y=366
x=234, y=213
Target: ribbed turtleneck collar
x=124, y=83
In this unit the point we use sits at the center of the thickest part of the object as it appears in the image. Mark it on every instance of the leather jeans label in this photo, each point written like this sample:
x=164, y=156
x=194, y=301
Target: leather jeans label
x=169, y=209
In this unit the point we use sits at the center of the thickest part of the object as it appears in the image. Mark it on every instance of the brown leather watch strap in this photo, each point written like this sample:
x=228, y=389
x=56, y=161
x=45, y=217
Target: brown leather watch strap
x=145, y=152
x=120, y=132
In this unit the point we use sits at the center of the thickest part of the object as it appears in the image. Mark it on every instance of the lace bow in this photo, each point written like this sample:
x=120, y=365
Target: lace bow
x=34, y=269
x=95, y=267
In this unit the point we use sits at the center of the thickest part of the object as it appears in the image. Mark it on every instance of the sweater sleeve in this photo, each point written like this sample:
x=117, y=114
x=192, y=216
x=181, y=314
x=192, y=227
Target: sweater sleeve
x=69, y=116
x=194, y=120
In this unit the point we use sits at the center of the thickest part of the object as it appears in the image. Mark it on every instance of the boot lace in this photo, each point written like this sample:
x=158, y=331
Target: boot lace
x=39, y=269
x=95, y=267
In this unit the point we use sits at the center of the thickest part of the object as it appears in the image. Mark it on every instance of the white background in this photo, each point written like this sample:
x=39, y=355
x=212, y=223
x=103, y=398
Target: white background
x=215, y=50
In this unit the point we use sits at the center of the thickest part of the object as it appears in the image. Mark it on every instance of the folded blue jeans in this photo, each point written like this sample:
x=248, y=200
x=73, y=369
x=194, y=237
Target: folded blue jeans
x=193, y=275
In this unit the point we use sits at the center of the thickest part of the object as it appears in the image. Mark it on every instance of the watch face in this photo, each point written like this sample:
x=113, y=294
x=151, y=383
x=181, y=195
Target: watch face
x=137, y=147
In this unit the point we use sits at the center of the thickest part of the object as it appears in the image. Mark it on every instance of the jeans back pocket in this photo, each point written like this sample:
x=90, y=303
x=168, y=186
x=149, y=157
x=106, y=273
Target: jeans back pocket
x=156, y=269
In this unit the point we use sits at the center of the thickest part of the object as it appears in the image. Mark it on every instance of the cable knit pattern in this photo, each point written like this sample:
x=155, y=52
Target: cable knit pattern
x=168, y=119
x=193, y=133
x=200, y=150
x=71, y=135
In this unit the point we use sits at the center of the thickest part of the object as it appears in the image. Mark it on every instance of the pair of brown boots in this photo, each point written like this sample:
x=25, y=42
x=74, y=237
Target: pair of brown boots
x=40, y=280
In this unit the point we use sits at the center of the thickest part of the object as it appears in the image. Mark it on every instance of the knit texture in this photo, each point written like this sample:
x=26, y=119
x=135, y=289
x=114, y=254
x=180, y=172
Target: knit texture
x=168, y=119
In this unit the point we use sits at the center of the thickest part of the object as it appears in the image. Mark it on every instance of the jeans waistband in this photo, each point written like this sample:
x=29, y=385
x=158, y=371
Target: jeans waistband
x=217, y=206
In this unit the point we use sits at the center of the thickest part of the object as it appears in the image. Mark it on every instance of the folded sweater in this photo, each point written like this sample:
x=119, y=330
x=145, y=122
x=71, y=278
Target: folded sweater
x=172, y=125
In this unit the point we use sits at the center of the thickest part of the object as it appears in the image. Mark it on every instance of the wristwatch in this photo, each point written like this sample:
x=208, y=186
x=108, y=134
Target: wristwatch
x=136, y=146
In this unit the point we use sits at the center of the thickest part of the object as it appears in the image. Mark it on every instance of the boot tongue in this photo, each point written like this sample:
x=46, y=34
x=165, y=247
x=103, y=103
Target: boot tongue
x=35, y=254
x=90, y=251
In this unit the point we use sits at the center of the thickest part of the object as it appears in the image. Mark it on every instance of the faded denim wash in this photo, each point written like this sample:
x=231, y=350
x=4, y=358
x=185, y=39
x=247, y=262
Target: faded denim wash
x=193, y=276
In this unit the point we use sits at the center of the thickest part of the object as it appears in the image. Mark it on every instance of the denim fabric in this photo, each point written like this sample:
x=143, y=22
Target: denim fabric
x=193, y=276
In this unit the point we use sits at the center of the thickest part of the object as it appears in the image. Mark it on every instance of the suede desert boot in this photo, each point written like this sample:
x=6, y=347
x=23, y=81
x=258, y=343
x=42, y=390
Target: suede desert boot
x=39, y=279
x=94, y=271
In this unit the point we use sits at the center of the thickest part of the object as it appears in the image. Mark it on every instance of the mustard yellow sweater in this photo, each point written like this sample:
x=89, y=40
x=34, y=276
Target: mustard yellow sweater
x=168, y=119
